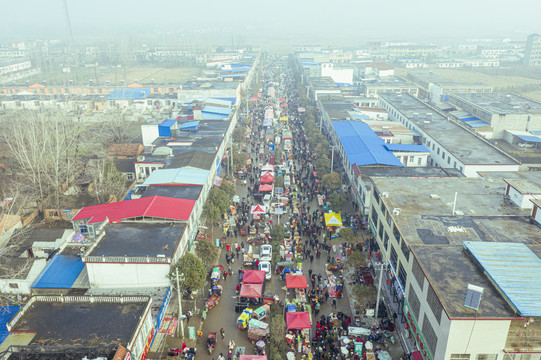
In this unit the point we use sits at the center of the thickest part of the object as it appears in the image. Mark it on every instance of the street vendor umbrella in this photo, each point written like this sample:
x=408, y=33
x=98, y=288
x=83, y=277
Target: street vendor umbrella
x=296, y=282
x=281, y=99
x=267, y=178
x=284, y=105
x=251, y=290
x=298, y=320
x=253, y=357
x=333, y=219
x=254, y=98
x=265, y=187
x=258, y=209
x=253, y=277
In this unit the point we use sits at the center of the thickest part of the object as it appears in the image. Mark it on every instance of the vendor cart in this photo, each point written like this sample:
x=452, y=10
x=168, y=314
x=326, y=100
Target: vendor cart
x=257, y=330
x=261, y=312
x=212, y=301
x=243, y=230
x=244, y=319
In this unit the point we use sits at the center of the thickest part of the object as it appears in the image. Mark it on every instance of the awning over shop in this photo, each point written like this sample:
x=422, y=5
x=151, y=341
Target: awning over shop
x=333, y=219
x=267, y=178
x=265, y=187
x=296, y=282
x=251, y=290
x=298, y=320
x=253, y=277
x=258, y=209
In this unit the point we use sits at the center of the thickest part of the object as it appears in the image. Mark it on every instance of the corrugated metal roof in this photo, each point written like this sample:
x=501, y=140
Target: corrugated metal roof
x=177, y=176
x=6, y=313
x=529, y=138
x=190, y=125
x=407, y=147
x=515, y=269
x=219, y=101
x=216, y=110
x=60, y=273
x=129, y=94
x=477, y=124
x=156, y=206
x=168, y=123
x=362, y=145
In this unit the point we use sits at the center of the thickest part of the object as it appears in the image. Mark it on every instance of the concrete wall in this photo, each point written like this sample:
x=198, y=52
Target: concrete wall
x=23, y=285
x=127, y=275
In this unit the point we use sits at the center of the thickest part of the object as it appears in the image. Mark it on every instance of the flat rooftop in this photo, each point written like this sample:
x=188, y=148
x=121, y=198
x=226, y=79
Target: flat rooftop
x=393, y=171
x=424, y=78
x=388, y=81
x=323, y=83
x=139, y=240
x=467, y=147
x=81, y=323
x=498, y=103
x=189, y=192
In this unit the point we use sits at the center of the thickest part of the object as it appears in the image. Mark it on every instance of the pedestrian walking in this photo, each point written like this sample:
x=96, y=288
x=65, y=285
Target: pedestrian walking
x=222, y=333
x=334, y=303
x=188, y=316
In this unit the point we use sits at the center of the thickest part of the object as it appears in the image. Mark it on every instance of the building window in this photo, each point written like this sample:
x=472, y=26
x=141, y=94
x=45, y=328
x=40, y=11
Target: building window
x=438, y=151
x=129, y=176
x=374, y=215
x=414, y=302
x=448, y=160
x=430, y=336
x=13, y=285
x=460, y=357
x=419, y=160
x=396, y=233
x=411, y=159
x=386, y=241
x=487, y=357
x=405, y=250
x=433, y=146
x=418, y=273
x=394, y=256
x=442, y=155
x=434, y=303
x=376, y=196
x=402, y=276
x=380, y=230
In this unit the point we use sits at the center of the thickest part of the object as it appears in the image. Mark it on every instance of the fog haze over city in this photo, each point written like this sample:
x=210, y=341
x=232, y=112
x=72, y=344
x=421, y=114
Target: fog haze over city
x=344, y=20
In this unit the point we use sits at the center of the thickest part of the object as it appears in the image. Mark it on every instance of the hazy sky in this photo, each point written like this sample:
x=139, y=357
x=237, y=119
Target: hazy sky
x=352, y=19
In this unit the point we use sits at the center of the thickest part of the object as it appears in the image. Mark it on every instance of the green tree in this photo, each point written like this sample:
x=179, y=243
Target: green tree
x=331, y=181
x=277, y=330
x=337, y=201
x=365, y=295
x=323, y=165
x=279, y=181
x=207, y=252
x=239, y=159
x=228, y=188
x=277, y=233
x=238, y=134
x=193, y=271
x=346, y=234
x=217, y=204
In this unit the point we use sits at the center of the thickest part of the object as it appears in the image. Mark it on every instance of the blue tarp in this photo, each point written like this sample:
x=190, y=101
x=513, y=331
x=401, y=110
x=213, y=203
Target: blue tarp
x=362, y=146
x=185, y=176
x=60, y=273
x=129, y=94
x=168, y=122
x=6, y=314
x=190, y=125
x=530, y=138
x=407, y=147
x=469, y=119
x=164, y=129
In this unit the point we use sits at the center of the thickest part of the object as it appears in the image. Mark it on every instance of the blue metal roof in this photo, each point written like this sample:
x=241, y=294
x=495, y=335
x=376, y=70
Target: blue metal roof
x=186, y=176
x=362, y=145
x=514, y=269
x=469, y=118
x=407, y=147
x=190, y=125
x=477, y=124
x=168, y=123
x=6, y=314
x=60, y=272
x=129, y=94
x=232, y=100
x=536, y=132
x=530, y=138
x=216, y=110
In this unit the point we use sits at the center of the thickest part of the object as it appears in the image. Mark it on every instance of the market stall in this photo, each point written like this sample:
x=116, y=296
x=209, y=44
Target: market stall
x=267, y=178
x=253, y=277
x=265, y=187
x=300, y=284
x=251, y=291
x=299, y=322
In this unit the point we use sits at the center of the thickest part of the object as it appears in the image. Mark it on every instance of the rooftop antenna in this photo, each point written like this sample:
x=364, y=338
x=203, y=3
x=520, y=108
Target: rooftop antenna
x=68, y=21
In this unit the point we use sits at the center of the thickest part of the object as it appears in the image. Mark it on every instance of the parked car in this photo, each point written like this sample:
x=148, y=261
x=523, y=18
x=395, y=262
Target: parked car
x=266, y=267
x=267, y=200
x=265, y=253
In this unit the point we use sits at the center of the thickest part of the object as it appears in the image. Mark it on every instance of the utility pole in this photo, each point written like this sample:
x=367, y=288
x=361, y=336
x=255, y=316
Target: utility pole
x=179, y=322
x=332, y=158
x=379, y=290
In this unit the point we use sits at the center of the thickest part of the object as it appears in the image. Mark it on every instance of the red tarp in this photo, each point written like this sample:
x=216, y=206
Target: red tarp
x=253, y=277
x=262, y=188
x=254, y=98
x=251, y=290
x=296, y=282
x=253, y=357
x=298, y=320
x=417, y=355
x=267, y=178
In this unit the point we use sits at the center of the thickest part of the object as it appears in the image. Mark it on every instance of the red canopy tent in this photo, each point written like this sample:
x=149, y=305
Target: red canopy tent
x=254, y=98
x=265, y=187
x=298, y=320
x=253, y=357
x=267, y=178
x=253, y=277
x=283, y=105
x=296, y=282
x=251, y=290
x=281, y=100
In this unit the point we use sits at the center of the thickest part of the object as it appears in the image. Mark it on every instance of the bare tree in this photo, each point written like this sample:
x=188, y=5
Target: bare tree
x=106, y=179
